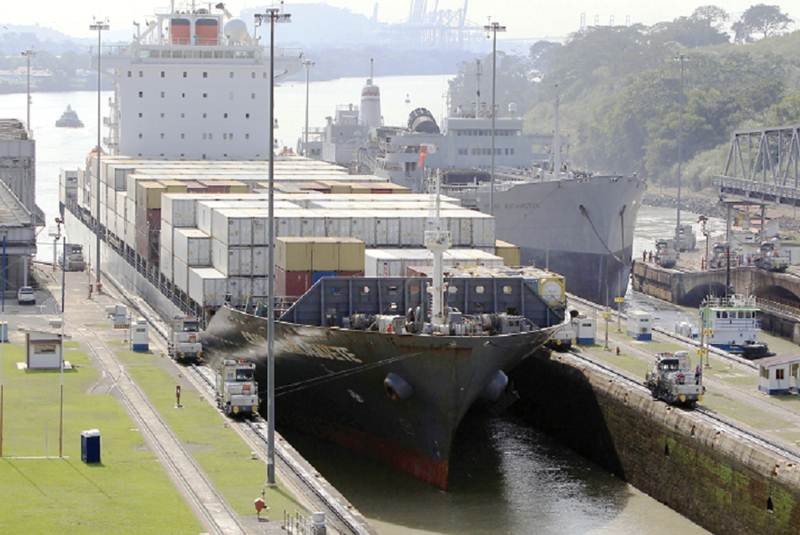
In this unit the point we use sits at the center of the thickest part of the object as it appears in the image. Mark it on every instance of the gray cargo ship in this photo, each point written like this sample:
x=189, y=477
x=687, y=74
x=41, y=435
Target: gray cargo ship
x=577, y=224
x=359, y=361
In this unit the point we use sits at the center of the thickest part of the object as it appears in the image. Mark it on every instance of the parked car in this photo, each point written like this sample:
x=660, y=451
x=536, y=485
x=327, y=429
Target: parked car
x=26, y=296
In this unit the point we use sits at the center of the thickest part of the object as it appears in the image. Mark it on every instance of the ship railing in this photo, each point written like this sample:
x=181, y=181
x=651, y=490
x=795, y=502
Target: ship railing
x=779, y=306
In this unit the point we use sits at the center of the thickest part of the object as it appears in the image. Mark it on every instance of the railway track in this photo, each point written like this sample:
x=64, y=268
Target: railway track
x=217, y=515
x=344, y=521
x=723, y=423
x=302, y=479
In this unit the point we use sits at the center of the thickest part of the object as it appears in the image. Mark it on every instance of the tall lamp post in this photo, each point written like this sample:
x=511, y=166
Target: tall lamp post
x=493, y=28
x=272, y=15
x=307, y=63
x=681, y=58
x=28, y=55
x=99, y=27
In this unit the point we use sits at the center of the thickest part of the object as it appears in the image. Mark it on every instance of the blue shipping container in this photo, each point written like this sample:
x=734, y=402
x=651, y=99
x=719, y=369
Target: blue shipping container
x=317, y=275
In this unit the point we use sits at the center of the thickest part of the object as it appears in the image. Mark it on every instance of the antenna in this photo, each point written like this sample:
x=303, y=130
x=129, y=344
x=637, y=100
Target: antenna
x=371, y=68
x=583, y=21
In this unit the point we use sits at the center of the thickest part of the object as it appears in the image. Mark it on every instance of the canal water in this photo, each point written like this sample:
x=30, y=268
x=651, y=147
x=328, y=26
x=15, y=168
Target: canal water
x=506, y=477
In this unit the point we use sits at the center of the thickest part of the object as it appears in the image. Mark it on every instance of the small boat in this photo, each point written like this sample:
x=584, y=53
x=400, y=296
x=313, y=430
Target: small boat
x=69, y=119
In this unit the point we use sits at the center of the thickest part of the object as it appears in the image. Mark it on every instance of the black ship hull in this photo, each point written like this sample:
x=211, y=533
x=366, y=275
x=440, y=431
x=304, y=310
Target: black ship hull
x=330, y=382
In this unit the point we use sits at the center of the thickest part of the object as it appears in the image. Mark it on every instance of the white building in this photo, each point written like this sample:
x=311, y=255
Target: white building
x=18, y=163
x=193, y=85
x=779, y=375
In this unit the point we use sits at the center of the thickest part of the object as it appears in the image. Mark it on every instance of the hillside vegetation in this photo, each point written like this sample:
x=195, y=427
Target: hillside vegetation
x=621, y=97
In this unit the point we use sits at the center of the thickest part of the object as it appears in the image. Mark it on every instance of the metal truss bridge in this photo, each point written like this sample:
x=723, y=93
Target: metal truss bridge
x=763, y=165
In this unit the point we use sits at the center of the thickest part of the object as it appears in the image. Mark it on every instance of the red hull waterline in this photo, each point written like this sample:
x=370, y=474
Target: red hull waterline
x=407, y=460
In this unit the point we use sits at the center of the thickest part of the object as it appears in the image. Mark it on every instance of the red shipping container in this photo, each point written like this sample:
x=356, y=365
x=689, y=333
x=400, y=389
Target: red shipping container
x=291, y=283
x=381, y=190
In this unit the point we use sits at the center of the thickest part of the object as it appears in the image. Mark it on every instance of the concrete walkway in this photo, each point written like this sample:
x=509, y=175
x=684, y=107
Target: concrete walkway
x=86, y=322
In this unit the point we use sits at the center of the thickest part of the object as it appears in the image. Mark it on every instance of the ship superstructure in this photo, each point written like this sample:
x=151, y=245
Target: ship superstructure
x=191, y=85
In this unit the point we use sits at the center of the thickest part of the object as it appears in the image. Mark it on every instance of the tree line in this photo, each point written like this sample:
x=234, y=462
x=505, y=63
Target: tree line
x=623, y=99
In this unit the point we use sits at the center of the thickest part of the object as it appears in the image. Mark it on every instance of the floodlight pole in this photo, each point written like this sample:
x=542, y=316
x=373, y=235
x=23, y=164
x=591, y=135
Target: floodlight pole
x=307, y=63
x=99, y=27
x=274, y=15
x=682, y=59
x=493, y=27
x=28, y=55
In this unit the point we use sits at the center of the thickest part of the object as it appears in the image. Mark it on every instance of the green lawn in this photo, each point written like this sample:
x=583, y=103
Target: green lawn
x=128, y=493
x=218, y=449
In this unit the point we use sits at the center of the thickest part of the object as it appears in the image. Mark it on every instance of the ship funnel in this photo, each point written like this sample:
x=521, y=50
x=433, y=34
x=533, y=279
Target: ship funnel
x=370, y=102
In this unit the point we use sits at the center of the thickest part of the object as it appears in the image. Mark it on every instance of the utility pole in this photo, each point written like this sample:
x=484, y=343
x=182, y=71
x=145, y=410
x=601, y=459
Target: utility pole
x=28, y=55
x=682, y=59
x=478, y=73
x=273, y=15
x=493, y=27
x=307, y=63
x=557, y=137
x=99, y=27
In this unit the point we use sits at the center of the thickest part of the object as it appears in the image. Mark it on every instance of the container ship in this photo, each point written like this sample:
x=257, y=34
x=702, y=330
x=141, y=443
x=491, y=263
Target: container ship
x=394, y=363
x=179, y=206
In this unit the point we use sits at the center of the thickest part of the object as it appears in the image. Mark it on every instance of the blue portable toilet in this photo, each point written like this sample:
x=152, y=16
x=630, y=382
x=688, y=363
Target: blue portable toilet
x=90, y=446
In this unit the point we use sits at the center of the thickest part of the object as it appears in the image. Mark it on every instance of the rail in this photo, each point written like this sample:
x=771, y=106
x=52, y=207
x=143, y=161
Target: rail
x=780, y=306
x=731, y=426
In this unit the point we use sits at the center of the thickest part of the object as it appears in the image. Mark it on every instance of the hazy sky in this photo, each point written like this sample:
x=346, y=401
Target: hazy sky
x=524, y=18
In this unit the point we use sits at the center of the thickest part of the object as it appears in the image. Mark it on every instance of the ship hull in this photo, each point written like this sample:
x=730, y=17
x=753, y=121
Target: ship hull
x=330, y=382
x=580, y=228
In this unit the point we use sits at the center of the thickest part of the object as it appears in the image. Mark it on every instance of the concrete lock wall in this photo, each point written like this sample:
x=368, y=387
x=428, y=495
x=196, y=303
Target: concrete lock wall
x=720, y=482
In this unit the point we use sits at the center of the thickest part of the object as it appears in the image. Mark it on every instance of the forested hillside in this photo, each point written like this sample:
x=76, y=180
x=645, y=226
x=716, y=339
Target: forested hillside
x=621, y=97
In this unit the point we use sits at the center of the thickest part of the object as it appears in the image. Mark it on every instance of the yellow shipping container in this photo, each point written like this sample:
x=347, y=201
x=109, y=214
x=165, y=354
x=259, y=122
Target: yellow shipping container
x=360, y=188
x=325, y=254
x=174, y=186
x=351, y=254
x=340, y=187
x=508, y=252
x=237, y=186
x=293, y=254
x=150, y=194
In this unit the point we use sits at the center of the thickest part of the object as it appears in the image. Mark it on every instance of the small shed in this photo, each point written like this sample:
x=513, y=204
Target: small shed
x=640, y=325
x=779, y=375
x=44, y=349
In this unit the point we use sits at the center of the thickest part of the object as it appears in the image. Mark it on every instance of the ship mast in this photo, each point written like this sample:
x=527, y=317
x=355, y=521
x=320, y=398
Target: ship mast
x=437, y=241
x=477, y=87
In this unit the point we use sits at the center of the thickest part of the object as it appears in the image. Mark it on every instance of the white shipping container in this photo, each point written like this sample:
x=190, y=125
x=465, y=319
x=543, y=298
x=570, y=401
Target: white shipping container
x=240, y=289
x=165, y=263
x=193, y=246
x=231, y=261
x=338, y=226
x=122, y=204
x=179, y=209
x=260, y=264
x=232, y=227
x=260, y=287
x=111, y=198
x=166, y=237
x=207, y=286
x=119, y=229
x=180, y=274
x=394, y=262
x=387, y=231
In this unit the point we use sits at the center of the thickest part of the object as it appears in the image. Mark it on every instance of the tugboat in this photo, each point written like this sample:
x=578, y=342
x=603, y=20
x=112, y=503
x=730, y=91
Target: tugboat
x=69, y=119
x=732, y=325
x=388, y=367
